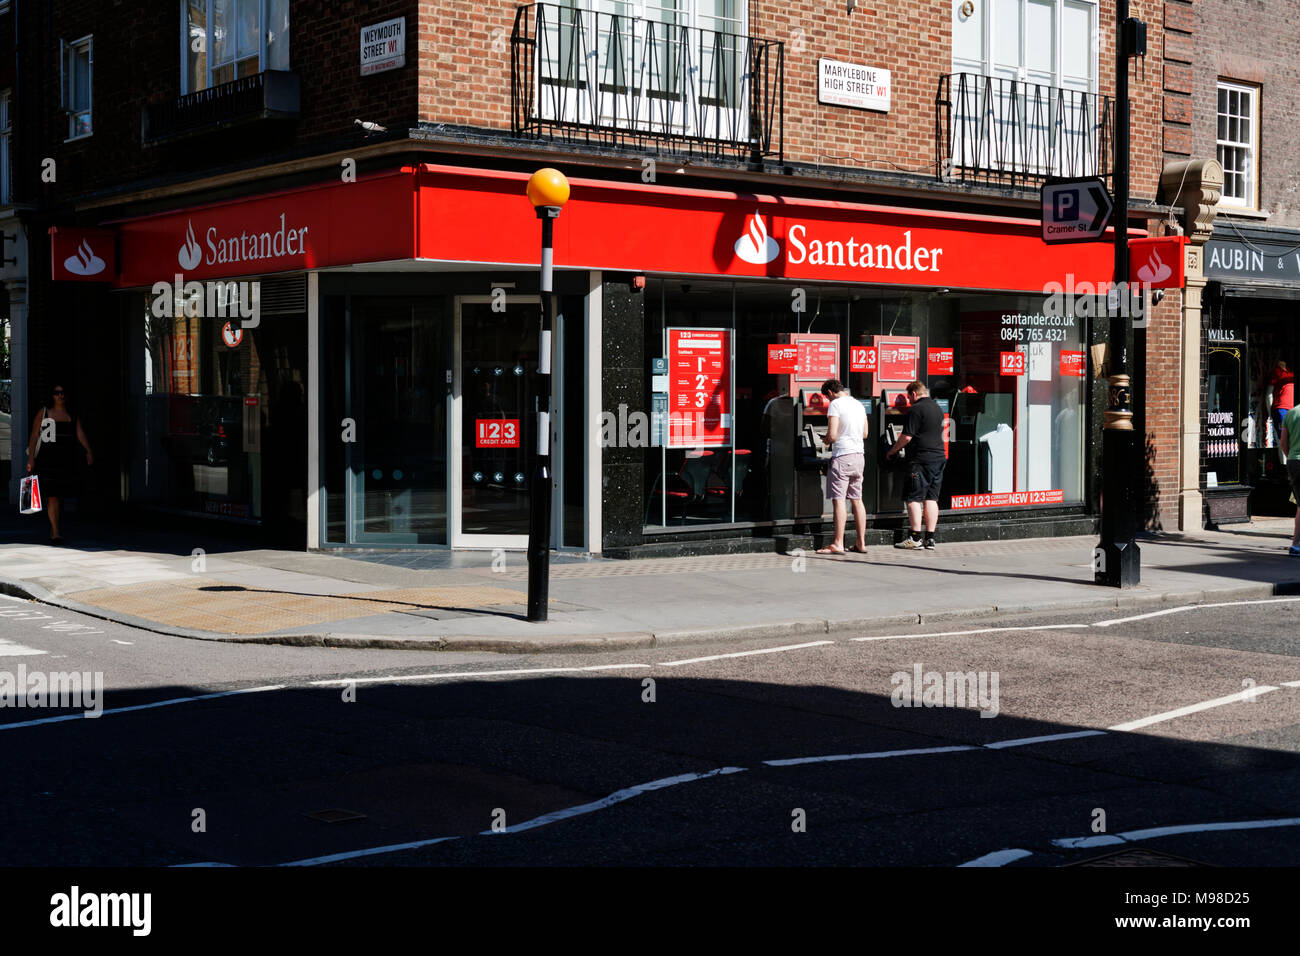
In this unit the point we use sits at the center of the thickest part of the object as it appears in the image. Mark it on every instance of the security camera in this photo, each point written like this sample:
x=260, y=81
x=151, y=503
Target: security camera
x=1157, y=295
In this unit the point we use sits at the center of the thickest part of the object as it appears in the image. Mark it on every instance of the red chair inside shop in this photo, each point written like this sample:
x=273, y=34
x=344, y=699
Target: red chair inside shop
x=675, y=495
x=696, y=472
x=730, y=472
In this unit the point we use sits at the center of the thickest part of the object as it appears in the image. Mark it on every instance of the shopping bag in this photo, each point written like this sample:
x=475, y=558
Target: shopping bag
x=29, y=495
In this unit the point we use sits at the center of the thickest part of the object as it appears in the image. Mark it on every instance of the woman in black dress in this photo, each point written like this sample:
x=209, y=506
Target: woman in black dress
x=56, y=466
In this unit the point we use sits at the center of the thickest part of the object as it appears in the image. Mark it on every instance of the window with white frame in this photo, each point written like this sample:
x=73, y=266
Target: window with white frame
x=223, y=40
x=77, y=60
x=1031, y=82
x=1237, y=137
x=6, y=140
x=664, y=64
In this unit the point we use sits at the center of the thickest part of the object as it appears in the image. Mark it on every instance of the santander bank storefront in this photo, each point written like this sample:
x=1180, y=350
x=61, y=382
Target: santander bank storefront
x=357, y=359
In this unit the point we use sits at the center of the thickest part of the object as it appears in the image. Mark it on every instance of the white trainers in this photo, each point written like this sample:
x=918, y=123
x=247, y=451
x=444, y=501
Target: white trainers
x=909, y=544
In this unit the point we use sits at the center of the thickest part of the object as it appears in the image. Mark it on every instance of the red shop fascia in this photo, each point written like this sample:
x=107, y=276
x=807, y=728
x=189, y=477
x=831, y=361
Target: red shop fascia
x=449, y=214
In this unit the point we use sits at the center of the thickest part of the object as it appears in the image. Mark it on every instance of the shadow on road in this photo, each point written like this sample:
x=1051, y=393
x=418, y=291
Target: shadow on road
x=423, y=760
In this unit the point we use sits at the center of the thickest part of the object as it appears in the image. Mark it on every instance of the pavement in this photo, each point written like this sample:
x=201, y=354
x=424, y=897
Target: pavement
x=476, y=601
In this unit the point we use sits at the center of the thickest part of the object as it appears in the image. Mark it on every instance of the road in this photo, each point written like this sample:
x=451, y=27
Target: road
x=1102, y=732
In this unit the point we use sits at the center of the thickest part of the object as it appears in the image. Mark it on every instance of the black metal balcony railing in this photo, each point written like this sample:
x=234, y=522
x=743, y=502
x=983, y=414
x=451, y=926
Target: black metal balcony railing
x=272, y=94
x=626, y=81
x=999, y=130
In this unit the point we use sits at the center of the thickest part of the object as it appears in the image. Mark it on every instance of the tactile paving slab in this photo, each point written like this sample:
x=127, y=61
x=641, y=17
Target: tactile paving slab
x=220, y=606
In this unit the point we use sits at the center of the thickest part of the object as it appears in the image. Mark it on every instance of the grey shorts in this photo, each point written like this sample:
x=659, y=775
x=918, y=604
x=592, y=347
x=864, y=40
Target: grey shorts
x=844, y=479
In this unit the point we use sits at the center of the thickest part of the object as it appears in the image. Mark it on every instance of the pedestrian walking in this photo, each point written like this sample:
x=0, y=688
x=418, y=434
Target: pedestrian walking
x=52, y=456
x=1282, y=382
x=924, y=434
x=1291, y=448
x=846, y=427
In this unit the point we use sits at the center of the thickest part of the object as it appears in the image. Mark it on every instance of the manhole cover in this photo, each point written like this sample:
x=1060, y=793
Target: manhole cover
x=1138, y=858
x=335, y=815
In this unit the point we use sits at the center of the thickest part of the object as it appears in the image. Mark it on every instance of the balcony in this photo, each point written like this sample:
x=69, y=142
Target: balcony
x=995, y=130
x=271, y=95
x=605, y=79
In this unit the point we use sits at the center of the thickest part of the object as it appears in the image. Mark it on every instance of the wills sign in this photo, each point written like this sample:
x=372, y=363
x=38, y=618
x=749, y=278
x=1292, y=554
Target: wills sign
x=383, y=46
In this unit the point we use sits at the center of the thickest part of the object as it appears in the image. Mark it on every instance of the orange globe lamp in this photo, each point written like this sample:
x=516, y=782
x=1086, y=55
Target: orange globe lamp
x=548, y=187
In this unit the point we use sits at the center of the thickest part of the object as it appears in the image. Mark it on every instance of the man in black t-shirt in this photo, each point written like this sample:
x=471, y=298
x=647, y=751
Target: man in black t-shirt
x=923, y=434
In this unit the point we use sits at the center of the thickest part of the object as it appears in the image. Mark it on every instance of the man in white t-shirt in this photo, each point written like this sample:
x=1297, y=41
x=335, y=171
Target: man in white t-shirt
x=846, y=420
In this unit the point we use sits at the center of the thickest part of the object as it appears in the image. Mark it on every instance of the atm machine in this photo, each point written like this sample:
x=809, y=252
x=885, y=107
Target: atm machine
x=887, y=425
x=797, y=461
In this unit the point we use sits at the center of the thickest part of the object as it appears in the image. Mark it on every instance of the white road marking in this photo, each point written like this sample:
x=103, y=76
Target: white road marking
x=398, y=678
x=10, y=649
x=997, y=858
x=158, y=703
x=128, y=643
x=627, y=793
x=1141, y=722
x=353, y=854
x=1152, y=833
x=982, y=630
x=1049, y=738
x=1191, y=607
x=765, y=650
x=874, y=755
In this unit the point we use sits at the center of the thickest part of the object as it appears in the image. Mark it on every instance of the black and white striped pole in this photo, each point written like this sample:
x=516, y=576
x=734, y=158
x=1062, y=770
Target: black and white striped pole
x=548, y=191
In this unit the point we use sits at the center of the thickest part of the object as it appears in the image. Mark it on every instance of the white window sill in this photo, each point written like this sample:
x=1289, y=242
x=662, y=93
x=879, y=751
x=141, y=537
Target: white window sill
x=1243, y=212
x=73, y=139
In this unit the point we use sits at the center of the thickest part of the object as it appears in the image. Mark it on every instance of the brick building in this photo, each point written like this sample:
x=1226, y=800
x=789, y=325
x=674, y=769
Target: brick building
x=858, y=189
x=1244, y=96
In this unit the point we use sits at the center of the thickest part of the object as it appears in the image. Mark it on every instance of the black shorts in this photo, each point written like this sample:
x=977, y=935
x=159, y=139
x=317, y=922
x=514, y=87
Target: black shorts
x=924, y=481
x=1292, y=469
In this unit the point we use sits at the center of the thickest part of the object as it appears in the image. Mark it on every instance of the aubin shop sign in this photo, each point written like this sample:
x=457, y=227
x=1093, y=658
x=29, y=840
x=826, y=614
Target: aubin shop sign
x=1251, y=259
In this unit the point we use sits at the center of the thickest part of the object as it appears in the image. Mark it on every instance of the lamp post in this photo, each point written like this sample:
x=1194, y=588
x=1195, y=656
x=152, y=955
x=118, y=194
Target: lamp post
x=548, y=191
x=1118, y=560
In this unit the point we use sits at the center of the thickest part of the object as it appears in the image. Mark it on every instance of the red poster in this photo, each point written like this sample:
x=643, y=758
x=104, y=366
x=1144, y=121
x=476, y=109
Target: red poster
x=1013, y=363
x=699, y=387
x=818, y=359
x=898, y=358
x=940, y=361
x=496, y=433
x=862, y=358
x=1007, y=499
x=782, y=359
x=1072, y=363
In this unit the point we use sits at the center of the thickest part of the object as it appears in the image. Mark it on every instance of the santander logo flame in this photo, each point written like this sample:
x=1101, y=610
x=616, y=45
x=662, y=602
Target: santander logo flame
x=85, y=262
x=191, y=254
x=1155, y=270
x=756, y=246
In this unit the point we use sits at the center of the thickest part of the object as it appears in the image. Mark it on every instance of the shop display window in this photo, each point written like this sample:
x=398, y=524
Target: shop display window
x=223, y=417
x=1009, y=377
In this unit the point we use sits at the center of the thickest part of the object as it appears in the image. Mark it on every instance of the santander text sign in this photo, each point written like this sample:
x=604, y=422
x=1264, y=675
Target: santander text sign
x=461, y=215
x=366, y=221
x=470, y=215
